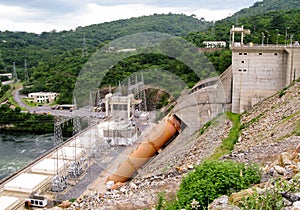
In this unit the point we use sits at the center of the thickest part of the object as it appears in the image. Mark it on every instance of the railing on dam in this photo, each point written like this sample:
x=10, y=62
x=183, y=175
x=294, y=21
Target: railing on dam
x=265, y=46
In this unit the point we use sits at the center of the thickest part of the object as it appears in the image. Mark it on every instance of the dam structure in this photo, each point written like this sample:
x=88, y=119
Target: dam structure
x=257, y=72
x=260, y=70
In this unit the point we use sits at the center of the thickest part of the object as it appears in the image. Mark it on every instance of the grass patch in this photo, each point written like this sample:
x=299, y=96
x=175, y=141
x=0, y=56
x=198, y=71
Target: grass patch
x=297, y=129
x=205, y=126
x=29, y=102
x=209, y=123
x=284, y=137
x=246, y=125
x=6, y=96
x=228, y=143
x=286, y=118
x=14, y=103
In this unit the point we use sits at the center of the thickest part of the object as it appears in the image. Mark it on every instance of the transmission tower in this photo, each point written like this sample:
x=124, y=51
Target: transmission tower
x=75, y=119
x=26, y=77
x=15, y=71
x=84, y=50
x=91, y=105
x=138, y=89
x=98, y=99
x=58, y=138
x=129, y=85
x=59, y=182
x=143, y=93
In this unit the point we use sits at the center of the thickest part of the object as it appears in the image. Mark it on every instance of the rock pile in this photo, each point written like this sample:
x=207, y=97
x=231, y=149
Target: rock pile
x=270, y=128
x=137, y=194
x=285, y=167
x=264, y=152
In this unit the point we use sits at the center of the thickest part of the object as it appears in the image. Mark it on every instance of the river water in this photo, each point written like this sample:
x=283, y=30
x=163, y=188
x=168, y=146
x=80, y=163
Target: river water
x=19, y=149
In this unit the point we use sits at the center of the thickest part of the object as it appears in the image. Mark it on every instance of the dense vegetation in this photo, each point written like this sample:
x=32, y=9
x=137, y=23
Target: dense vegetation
x=266, y=6
x=3, y=89
x=212, y=179
x=18, y=46
x=15, y=120
x=55, y=59
x=57, y=75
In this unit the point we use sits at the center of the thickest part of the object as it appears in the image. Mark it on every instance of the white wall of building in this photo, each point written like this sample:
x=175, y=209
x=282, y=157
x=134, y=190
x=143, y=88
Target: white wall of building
x=257, y=73
x=43, y=97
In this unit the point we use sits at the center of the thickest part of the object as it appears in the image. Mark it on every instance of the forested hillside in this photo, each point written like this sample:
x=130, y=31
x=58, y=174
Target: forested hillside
x=266, y=6
x=273, y=18
x=54, y=59
x=273, y=25
x=18, y=46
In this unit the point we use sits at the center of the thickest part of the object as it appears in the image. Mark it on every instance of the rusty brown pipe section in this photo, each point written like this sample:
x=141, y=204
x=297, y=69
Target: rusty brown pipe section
x=158, y=136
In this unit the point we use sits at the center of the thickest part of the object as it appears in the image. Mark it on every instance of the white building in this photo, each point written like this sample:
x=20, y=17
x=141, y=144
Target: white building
x=214, y=44
x=43, y=97
x=8, y=75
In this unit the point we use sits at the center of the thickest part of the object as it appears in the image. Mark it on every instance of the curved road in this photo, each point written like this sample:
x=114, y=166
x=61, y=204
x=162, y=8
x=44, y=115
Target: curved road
x=46, y=109
x=38, y=109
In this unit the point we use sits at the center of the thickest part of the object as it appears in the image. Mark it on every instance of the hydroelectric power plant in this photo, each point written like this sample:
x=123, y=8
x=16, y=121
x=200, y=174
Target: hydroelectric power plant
x=116, y=148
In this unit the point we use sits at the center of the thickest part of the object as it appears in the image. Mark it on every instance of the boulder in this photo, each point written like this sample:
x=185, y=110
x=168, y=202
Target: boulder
x=296, y=205
x=117, y=186
x=284, y=159
x=296, y=152
x=279, y=170
x=65, y=204
x=237, y=197
x=109, y=185
x=222, y=203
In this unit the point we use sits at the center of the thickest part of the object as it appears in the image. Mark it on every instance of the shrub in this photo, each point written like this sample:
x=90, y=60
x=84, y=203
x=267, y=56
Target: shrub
x=5, y=88
x=213, y=179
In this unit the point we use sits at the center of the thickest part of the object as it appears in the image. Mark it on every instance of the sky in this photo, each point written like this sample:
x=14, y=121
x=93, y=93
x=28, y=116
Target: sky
x=46, y=15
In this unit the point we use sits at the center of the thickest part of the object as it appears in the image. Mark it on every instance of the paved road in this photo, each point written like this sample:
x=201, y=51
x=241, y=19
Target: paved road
x=7, y=82
x=77, y=190
x=82, y=112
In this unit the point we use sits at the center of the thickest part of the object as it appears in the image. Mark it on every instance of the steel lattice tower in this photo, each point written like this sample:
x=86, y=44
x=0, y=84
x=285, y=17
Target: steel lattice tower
x=26, y=77
x=14, y=71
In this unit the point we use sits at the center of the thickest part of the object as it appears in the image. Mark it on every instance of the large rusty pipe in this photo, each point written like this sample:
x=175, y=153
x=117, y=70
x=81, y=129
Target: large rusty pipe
x=157, y=138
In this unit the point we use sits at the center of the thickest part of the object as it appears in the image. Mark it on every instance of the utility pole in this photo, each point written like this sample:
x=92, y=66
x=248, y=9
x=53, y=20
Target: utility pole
x=286, y=35
x=292, y=35
x=277, y=34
